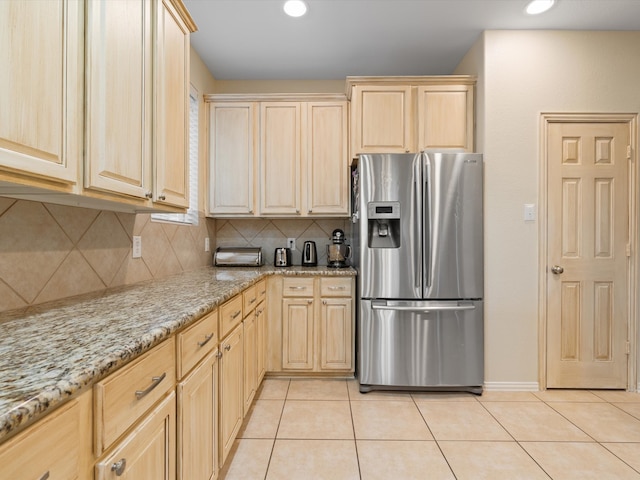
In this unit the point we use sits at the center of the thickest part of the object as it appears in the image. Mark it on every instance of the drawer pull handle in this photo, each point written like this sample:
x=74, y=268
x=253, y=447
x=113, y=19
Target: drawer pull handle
x=45, y=476
x=141, y=393
x=206, y=340
x=119, y=467
x=342, y=287
x=297, y=288
x=253, y=300
x=235, y=315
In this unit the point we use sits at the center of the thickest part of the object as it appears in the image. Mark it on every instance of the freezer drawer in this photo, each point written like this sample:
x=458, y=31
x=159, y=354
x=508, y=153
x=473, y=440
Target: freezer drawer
x=421, y=345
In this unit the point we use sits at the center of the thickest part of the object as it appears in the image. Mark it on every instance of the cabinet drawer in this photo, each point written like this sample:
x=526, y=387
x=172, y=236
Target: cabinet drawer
x=249, y=299
x=335, y=287
x=123, y=397
x=196, y=342
x=148, y=452
x=261, y=290
x=50, y=447
x=297, y=287
x=230, y=315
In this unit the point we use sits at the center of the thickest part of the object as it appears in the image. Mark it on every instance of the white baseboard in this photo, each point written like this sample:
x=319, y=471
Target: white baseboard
x=511, y=386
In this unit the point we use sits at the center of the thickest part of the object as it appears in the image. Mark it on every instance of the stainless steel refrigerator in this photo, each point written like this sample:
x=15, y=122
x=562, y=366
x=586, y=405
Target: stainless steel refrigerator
x=419, y=255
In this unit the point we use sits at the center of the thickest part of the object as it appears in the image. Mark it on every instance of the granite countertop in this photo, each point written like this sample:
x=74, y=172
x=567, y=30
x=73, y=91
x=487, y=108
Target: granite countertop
x=50, y=352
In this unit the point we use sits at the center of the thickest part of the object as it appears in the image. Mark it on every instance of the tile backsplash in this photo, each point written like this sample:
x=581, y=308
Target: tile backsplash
x=49, y=252
x=272, y=233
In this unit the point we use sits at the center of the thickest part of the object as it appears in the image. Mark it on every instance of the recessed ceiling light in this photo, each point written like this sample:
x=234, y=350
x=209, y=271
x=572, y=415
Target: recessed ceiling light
x=538, y=6
x=295, y=8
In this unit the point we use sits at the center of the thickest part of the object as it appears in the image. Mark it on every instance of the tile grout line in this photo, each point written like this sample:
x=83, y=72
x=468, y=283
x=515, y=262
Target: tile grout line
x=353, y=427
x=434, y=437
x=275, y=437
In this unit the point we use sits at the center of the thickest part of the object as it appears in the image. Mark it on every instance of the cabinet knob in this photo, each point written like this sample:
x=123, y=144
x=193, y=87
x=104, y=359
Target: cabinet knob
x=324, y=302
x=148, y=194
x=309, y=301
x=119, y=467
x=162, y=197
x=227, y=347
x=45, y=476
x=218, y=354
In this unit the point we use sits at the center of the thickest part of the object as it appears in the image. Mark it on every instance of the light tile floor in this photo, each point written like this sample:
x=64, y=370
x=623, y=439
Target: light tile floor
x=327, y=430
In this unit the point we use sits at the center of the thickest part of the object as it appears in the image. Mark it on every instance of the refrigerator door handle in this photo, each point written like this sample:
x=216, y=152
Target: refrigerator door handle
x=426, y=221
x=417, y=244
x=413, y=308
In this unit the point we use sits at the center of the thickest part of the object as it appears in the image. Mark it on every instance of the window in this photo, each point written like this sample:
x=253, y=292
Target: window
x=191, y=217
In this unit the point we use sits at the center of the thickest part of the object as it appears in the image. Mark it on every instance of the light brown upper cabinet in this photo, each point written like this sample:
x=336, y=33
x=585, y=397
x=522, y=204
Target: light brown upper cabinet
x=278, y=155
x=41, y=92
x=410, y=114
x=135, y=148
x=108, y=127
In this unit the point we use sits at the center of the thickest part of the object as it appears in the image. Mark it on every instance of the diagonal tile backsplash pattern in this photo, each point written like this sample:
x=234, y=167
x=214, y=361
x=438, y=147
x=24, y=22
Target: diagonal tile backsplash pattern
x=49, y=252
x=272, y=233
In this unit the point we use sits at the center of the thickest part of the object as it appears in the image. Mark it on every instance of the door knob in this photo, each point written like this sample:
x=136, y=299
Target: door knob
x=557, y=269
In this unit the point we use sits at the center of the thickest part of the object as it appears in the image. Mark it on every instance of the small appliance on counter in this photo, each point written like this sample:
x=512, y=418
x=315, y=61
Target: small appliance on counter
x=309, y=254
x=282, y=257
x=238, y=257
x=337, y=251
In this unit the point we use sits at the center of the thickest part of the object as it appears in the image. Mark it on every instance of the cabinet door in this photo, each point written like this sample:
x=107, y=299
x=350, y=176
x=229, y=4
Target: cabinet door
x=261, y=342
x=297, y=334
x=149, y=451
x=41, y=85
x=381, y=119
x=232, y=153
x=280, y=158
x=327, y=167
x=119, y=100
x=171, y=154
x=336, y=334
x=49, y=449
x=250, y=360
x=231, y=387
x=445, y=117
x=198, y=422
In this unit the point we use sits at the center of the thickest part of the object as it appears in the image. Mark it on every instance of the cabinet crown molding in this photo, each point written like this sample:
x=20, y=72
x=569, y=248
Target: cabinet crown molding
x=184, y=15
x=275, y=97
x=413, y=80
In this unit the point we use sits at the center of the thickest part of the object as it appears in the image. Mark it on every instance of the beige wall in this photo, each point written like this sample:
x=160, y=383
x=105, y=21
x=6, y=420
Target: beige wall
x=523, y=74
x=49, y=252
x=279, y=86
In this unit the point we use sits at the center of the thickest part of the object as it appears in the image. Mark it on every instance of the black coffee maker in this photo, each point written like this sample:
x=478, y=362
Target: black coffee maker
x=337, y=251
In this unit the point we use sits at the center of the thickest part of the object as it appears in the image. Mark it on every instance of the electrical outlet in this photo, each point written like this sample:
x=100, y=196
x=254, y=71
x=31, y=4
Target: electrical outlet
x=137, y=246
x=207, y=246
x=291, y=243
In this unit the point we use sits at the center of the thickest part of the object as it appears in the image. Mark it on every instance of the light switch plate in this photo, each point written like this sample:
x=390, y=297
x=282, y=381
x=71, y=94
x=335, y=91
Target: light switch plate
x=529, y=212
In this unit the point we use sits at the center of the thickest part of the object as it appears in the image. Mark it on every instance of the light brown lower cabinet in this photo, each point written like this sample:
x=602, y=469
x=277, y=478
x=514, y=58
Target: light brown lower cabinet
x=317, y=326
x=198, y=422
x=148, y=452
x=56, y=447
x=250, y=333
x=139, y=424
x=231, y=405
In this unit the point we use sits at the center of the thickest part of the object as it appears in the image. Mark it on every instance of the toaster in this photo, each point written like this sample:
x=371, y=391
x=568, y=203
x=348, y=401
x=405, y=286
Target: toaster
x=282, y=257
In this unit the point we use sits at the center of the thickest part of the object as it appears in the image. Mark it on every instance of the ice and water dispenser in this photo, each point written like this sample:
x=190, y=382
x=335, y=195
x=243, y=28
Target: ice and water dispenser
x=384, y=224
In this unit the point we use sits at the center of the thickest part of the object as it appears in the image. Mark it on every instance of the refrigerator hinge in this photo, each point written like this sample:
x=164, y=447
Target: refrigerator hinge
x=629, y=152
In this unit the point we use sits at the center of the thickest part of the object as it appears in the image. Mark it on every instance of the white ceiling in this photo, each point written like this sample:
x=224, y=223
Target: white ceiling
x=255, y=40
